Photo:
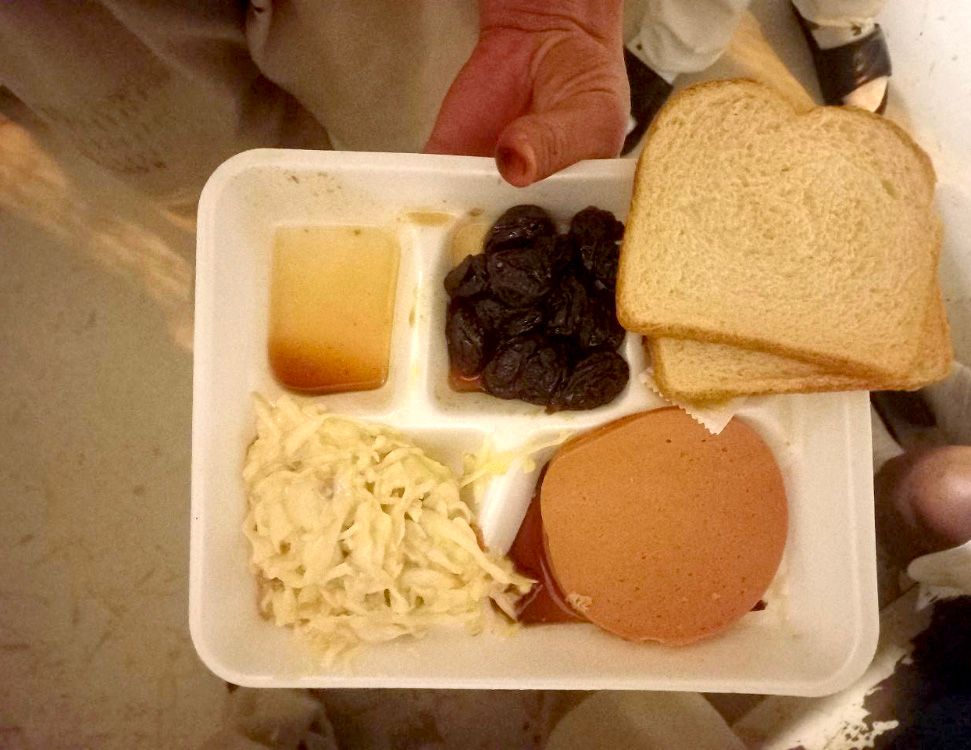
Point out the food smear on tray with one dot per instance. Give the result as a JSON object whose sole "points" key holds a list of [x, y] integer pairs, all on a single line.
{"points": [[653, 529], [467, 239], [545, 602], [532, 316], [427, 218], [359, 537], [332, 307]]}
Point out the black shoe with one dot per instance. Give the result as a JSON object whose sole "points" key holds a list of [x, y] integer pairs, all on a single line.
{"points": [[648, 92], [842, 70], [908, 418]]}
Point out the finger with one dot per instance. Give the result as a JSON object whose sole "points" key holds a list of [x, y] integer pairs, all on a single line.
{"points": [[480, 103], [585, 126]]}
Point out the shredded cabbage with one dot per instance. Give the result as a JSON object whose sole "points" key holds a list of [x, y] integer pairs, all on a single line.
{"points": [[481, 467], [358, 537]]}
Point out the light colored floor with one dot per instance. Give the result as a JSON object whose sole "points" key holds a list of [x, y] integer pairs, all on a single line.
{"points": [[95, 403], [95, 400]]}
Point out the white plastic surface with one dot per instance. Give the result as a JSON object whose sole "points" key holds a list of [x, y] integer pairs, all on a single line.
{"points": [[819, 630]]}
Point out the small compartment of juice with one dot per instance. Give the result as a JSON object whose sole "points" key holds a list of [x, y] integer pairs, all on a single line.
{"points": [[332, 307]]}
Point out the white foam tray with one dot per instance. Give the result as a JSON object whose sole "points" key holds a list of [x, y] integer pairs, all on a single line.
{"points": [[820, 628]]}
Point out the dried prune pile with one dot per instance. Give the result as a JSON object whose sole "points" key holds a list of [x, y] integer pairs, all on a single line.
{"points": [[532, 317]]}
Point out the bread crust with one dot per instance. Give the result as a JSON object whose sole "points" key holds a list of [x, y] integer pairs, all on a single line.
{"points": [[836, 371]]}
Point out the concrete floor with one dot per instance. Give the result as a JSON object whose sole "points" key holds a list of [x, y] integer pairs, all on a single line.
{"points": [[95, 397]]}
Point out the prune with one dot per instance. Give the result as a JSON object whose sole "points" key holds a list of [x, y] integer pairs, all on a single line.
{"points": [[599, 328], [597, 379], [519, 227], [600, 260], [501, 375], [594, 223], [492, 314], [536, 302], [595, 234], [520, 276], [466, 340], [563, 252], [468, 278], [568, 308], [542, 375], [502, 322], [527, 368], [522, 321]]}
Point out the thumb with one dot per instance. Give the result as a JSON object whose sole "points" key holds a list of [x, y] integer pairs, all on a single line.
{"points": [[479, 104], [585, 126]]}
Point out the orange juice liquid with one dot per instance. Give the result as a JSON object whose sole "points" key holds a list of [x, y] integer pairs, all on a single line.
{"points": [[332, 307]]}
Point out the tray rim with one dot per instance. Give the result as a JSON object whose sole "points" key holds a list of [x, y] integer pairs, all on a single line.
{"points": [[859, 654]]}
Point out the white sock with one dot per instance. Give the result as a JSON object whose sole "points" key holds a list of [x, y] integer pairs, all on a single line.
{"points": [[664, 75], [869, 95], [828, 37]]}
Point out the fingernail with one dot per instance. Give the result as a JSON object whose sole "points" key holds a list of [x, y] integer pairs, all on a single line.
{"points": [[517, 165]]}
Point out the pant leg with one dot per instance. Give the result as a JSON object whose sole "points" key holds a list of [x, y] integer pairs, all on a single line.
{"points": [[839, 13], [373, 73], [686, 36], [158, 94]]}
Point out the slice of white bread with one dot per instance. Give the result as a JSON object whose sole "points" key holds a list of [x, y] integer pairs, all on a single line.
{"points": [[810, 235], [699, 372]]}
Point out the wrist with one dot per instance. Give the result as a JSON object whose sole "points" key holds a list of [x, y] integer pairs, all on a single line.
{"points": [[602, 19]]}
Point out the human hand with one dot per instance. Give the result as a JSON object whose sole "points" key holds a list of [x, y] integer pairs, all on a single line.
{"points": [[544, 88], [930, 490]]}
